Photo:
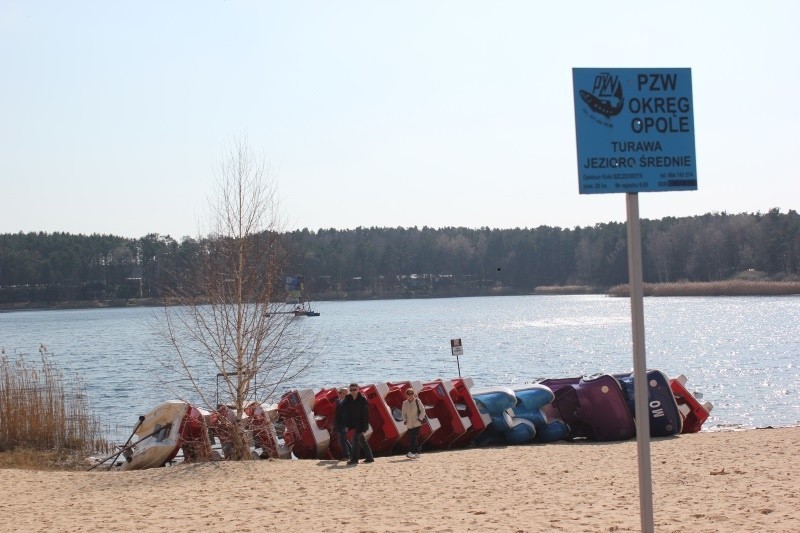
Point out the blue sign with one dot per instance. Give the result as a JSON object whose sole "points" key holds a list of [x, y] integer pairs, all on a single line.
{"points": [[635, 130], [294, 283]]}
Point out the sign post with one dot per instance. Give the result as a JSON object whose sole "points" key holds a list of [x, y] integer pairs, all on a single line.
{"points": [[457, 349], [635, 133]]}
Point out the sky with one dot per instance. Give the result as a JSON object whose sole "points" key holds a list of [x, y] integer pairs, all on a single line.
{"points": [[114, 116]]}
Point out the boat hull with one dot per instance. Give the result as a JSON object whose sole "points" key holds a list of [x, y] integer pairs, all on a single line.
{"points": [[467, 408], [386, 429], [504, 428], [394, 398], [693, 412], [265, 437], [664, 417], [592, 407], [531, 403], [159, 438], [435, 395], [301, 432]]}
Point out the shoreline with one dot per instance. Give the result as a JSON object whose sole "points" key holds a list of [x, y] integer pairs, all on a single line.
{"points": [[708, 481], [688, 289]]}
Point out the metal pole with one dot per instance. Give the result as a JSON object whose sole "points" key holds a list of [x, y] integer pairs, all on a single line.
{"points": [[459, 367], [640, 386]]}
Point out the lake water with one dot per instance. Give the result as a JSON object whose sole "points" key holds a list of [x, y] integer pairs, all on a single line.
{"points": [[741, 354]]}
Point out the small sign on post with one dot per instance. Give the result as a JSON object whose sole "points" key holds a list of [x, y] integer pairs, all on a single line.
{"points": [[457, 349]]}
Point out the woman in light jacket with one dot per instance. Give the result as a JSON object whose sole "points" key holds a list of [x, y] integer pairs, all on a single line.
{"points": [[413, 417]]}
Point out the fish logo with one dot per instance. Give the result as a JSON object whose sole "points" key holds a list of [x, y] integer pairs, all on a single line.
{"points": [[606, 97]]}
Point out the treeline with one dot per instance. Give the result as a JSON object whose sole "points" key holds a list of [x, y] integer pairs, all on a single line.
{"points": [[390, 262]]}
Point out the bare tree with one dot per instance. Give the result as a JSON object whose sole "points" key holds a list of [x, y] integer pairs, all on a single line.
{"points": [[224, 316], [660, 245]]}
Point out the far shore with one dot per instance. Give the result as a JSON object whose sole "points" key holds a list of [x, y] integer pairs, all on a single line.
{"points": [[735, 287]]}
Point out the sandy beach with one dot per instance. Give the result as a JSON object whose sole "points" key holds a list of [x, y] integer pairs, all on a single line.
{"points": [[719, 481]]}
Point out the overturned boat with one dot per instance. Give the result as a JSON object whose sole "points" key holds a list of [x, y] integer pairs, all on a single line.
{"points": [[173, 425], [394, 398], [665, 418], [262, 421], [467, 408], [504, 428], [531, 402], [692, 411], [439, 405], [301, 424], [386, 429], [592, 407], [302, 434]]}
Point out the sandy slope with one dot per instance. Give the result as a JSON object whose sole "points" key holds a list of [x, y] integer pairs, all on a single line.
{"points": [[728, 481]]}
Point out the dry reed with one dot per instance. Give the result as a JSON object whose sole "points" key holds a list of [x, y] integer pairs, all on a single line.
{"points": [[565, 289], [733, 287], [38, 412]]}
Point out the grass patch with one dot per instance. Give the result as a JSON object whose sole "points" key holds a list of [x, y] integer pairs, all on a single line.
{"points": [[27, 459]]}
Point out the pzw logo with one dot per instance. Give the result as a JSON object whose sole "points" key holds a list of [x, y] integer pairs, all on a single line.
{"points": [[606, 97]]}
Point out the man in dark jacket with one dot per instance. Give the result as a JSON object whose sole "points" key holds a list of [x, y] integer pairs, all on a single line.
{"points": [[357, 418], [340, 423]]}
